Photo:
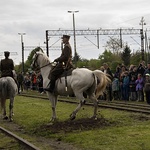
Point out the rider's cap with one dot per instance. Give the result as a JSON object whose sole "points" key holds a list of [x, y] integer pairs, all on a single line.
{"points": [[66, 36], [6, 52]]}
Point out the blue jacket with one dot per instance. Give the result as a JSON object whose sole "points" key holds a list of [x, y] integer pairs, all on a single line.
{"points": [[126, 81]]}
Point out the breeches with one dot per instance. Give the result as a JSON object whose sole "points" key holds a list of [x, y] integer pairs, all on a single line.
{"points": [[55, 73]]}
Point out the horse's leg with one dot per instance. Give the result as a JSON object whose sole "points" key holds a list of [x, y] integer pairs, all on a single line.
{"points": [[53, 100], [4, 109], [81, 103], [11, 109], [95, 101]]}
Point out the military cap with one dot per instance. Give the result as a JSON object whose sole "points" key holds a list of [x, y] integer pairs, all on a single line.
{"points": [[66, 36], [6, 52]]}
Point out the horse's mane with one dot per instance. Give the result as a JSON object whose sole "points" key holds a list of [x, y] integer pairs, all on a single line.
{"points": [[45, 59]]}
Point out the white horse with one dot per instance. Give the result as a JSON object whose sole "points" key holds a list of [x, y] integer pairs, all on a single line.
{"points": [[8, 90], [81, 80]]}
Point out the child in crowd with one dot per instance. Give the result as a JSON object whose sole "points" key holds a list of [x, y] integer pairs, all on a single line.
{"points": [[115, 88], [147, 87], [139, 87], [132, 84], [125, 86]]}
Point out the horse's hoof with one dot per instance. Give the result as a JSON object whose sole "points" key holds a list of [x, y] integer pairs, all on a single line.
{"points": [[50, 123], [5, 118], [53, 120], [94, 117], [10, 120], [72, 117]]}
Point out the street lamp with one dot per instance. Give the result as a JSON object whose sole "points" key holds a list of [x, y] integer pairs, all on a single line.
{"points": [[22, 45], [75, 52]]}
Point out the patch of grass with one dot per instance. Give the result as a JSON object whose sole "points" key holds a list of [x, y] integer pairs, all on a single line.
{"points": [[8, 143], [113, 130]]}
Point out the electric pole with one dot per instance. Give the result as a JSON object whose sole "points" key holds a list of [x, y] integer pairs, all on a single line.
{"points": [[142, 23], [74, 33], [22, 46]]}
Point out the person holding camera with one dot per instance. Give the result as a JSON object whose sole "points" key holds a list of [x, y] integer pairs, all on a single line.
{"points": [[141, 68]]}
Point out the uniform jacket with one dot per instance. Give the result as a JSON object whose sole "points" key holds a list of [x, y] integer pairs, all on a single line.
{"points": [[65, 56], [6, 66], [64, 62], [20, 77]]}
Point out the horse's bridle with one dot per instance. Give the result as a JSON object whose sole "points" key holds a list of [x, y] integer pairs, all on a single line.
{"points": [[35, 66]]}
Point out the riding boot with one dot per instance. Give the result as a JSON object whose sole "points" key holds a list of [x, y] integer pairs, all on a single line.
{"points": [[50, 87]]}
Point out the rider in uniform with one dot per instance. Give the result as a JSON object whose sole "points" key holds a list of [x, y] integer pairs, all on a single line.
{"points": [[63, 63], [7, 65]]}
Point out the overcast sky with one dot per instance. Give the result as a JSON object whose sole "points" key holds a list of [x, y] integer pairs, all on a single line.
{"points": [[34, 17]]}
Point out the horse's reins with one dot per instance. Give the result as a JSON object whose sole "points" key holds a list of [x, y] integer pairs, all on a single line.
{"points": [[38, 68], [45, 65]]}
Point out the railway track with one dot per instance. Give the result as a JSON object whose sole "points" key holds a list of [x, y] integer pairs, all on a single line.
{"points": [[17, 141], [139, 107]]}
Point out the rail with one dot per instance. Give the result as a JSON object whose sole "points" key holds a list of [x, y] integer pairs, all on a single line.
{"points": [[19, 139], [119, 105]]}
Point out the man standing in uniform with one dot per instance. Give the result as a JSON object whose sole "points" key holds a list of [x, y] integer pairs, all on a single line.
{"points": [[7, 66], [63, 62], [107, 70]]}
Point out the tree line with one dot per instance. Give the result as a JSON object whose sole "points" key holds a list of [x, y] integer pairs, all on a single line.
{"points": [[113, 55]]}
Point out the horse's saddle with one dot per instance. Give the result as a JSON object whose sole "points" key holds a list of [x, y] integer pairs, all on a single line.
{"points": [[67, 73]]}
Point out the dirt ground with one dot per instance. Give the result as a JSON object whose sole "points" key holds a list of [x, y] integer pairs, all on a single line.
{"points": [[80, 124], [67, 126], [45, 144]]}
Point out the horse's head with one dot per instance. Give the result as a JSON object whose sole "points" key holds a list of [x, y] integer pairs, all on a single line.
{"points": [[39, 60], [35, 64]]}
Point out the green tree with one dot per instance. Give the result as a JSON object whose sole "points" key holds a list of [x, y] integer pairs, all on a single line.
{"points": [[106, 56], [28, 62], [126, 54], [135, 58], [83, 63], [78, 58], [112, 59], [114, 45]]}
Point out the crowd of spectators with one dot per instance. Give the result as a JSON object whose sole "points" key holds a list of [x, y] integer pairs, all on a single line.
{"points": [[30, 81], [128, 84]]}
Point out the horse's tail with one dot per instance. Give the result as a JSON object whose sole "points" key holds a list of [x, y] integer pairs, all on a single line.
{"points": [[4, 92], [103, 81]]}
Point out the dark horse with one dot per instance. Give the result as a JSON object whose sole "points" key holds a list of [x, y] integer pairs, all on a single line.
{"points": [[8, 90]]}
